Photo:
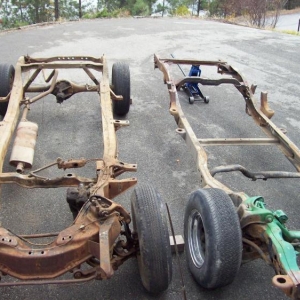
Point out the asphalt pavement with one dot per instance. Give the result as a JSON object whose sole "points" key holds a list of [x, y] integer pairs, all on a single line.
{"points": [[288, 22], [73, 130]]}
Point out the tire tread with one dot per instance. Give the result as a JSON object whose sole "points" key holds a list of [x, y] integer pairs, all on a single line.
{"points": [[121, 86], [6, 72], [225, 238], [149, 217]]}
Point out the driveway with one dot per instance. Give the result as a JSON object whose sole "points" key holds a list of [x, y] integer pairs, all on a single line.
{"points": [[288, 22]]}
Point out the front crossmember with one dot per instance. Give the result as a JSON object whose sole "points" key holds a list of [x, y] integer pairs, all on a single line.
{"points": [[99, 236]]}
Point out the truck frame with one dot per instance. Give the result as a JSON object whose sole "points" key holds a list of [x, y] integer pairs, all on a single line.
{"points": [[224, 227], [101, 238]]}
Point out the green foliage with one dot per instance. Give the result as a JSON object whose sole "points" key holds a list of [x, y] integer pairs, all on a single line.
{"points": [[140, 8], [38, 11], [118, 13], [215, 8], [20, 24], [182, 10], [88, 16], [205, 5], [68, 9], [173, 4], [293, 32], [103, 13], [159, 8], [121, 13], [180, 7], [15, 13]]}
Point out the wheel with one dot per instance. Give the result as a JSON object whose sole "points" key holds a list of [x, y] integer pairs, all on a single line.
{"points": [[121, 86], [7, 74], [213, 238], [150, 225], [191, 100], [206, 99]]}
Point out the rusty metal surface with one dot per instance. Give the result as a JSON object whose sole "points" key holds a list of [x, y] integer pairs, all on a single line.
{"points": [[257, 243], [275, 134], [185, 130], [95, 235], [289, 284]]}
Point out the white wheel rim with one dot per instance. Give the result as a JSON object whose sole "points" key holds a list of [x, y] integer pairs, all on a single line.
{"points": [[196, 238]]}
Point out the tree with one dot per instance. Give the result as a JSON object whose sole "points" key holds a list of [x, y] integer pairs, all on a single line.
{"points": [[291, 4], [14, 13], [56, 9], [21, 8], [174, 4], [140, 8], [264, 12], [225, 8], [260, 12], [38, 10], [70, 9], [150, 4], [161, 8], [276, 7]]}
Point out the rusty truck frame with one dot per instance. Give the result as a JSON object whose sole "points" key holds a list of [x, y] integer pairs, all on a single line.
{"points": [[100, 238], [224, 227]]}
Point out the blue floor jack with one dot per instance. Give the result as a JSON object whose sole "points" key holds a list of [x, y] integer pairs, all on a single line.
{"points": [[192, 88]]}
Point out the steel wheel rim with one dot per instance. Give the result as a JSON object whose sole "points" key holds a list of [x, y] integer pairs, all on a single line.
{"points": [[196, 238]]}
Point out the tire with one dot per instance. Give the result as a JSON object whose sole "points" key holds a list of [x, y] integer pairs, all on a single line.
{"points": [[206, 99], [121, 86], [191, 100], [7, 74], [213, 238], [150, 224]]}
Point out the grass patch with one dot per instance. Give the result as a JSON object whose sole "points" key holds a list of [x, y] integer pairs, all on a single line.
{"points": [[293, 32]]}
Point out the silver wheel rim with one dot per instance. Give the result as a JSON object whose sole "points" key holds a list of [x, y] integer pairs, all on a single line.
{"points": [[196, 238]]}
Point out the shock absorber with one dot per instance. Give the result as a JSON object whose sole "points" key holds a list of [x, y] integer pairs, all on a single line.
{"points": [[24, 144]]}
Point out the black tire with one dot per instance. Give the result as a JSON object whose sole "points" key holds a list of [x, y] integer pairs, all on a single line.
{"points": [[7, 74], [121, 86], [213, 240], [150, 224]]}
